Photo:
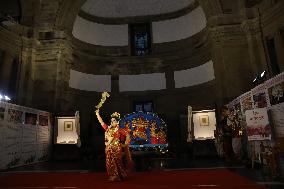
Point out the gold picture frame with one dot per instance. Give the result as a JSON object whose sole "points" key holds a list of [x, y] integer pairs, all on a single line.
{"points": [[204, 120], [68, 125]]}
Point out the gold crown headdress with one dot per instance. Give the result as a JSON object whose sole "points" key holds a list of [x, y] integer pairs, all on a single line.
{"points": [[115, 114]]}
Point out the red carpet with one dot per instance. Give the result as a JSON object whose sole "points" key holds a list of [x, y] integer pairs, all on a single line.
{"points": [[198, 179]]}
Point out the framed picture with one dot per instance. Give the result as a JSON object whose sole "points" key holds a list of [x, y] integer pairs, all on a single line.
{"points": [[204, 120], [30, 118], [68, 126], [276, 93], [43, 120]]}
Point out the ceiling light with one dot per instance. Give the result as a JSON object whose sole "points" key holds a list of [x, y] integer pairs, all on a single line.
{"points": [[262, 74]]}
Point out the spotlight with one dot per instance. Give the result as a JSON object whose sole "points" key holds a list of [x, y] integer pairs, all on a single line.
{"points": [[7, 98], [256, 81], [1, 97], [263, 74], [262, 77]]}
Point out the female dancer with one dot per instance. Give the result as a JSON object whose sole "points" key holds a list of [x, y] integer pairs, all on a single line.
{"points": [[115, 169]]}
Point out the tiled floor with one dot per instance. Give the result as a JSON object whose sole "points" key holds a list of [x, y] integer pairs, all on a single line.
{"points": [[257, 174]]}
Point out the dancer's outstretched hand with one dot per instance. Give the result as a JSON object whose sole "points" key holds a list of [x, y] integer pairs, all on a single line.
{"points": [[97, 111]]}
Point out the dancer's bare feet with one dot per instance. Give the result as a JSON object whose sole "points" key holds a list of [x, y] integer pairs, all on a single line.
{"points": [[114, 179]]}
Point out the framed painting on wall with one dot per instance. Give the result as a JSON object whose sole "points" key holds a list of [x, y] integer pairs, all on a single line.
{"points": [[204, 120], [68, 126], [30, 118]]}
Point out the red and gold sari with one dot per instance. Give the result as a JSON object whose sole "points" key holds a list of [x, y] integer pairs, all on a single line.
{"points": [[114, 165]]}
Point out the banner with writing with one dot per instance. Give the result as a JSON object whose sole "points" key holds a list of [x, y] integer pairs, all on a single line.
{"points": [[29, 144], [2, 134], [43, 138], [258, 127], [24, 139], [12, 145]]}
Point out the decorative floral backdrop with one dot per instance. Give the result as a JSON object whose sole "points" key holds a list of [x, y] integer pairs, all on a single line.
{"points": [[146, 129]]}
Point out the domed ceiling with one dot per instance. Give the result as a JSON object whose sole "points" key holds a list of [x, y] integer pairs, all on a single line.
{"points": [[166, 28], [130, 8]]}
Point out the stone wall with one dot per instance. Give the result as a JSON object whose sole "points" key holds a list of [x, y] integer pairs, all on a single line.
{"points": [[234, 39]]}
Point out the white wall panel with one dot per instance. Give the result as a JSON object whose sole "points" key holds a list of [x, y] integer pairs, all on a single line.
{"points": [[179, 28], [100, 34], [142, 82], [194, 76], [89, 82]]}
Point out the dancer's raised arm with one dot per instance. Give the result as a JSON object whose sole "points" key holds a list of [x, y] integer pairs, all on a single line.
{"points": [[100, 119]]}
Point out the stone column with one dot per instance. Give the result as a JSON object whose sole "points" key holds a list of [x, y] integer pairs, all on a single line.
{"points": [[255, 46], [170, 80], [232, 65], [279, 47], [63, 100], [26, 75], [5, 72], [115, 84]]}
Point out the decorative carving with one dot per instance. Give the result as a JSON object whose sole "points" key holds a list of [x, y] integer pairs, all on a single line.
{"points": [[250, 26], [227, 33]]}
